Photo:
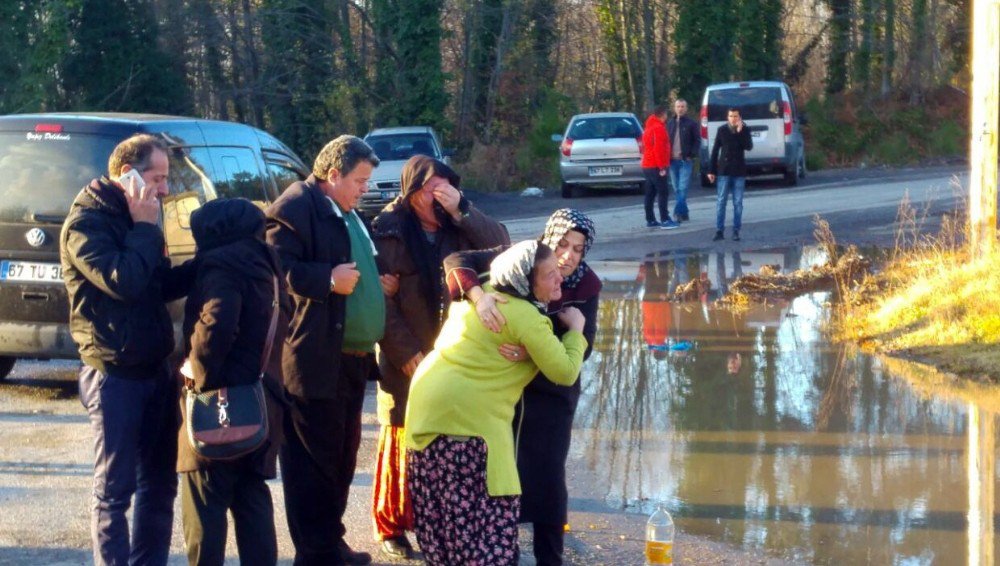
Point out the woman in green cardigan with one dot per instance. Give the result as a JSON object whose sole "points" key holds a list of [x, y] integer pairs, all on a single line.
{"points": [[461, 406]]}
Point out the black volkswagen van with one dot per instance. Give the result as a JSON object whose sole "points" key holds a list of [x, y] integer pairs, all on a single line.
{"points": [[45, 159]]}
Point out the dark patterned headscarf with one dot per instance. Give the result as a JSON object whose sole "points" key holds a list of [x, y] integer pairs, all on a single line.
{"points": [[562, 221]]}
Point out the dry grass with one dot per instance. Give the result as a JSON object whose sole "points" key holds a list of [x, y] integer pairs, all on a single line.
{"points": [[931, 301], [844, 269]]}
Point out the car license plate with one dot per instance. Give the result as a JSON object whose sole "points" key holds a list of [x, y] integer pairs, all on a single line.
{"points": [[756, 133], [606, 171], [30, 271], [388, 195]]}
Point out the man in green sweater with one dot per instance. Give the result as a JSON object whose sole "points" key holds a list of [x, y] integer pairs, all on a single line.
{"points": [[329, 263]]}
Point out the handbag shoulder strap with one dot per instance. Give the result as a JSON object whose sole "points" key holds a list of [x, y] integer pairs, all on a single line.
{"points": [[269, 341]]}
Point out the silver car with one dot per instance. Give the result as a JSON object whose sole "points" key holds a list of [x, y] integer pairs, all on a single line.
{"points": [[602, 149], [394, 147]]}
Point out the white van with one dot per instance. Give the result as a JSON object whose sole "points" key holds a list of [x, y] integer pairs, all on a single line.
{"points": [[768, 109]]}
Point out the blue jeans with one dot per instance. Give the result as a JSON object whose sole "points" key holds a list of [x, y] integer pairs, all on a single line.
{"points": [[134, 422], [726, 186], [680, 178]]}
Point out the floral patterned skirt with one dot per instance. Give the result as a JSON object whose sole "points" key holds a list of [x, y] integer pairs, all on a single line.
{"points": [[457, 521]]}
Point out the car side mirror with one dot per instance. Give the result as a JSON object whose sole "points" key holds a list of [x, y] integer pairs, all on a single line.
{"points": [[803, 119], [557, 138]]}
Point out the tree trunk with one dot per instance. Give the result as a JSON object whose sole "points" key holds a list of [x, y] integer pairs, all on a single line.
{"points": [[647, 53], [492, 92], [888, 47], [623, 34]]}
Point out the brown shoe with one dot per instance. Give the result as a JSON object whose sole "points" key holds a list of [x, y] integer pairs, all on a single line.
{"points": [[398, 547]]}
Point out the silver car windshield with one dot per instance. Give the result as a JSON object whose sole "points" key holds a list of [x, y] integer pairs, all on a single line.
{"points": [[604, 128]]}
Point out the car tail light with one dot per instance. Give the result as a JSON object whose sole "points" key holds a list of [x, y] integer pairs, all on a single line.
{"points": [[567, 146], [786, 108], [48, 128], [704, 122], [638, 140]]}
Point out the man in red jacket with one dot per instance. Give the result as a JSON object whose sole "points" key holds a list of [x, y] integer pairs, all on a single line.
{"points": [[655, 162]]}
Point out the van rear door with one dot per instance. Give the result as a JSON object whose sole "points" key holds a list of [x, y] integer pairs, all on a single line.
{"points": [[761, 108], [41, 171]]}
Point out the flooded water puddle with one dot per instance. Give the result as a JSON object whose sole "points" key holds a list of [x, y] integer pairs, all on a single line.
{"points": [[760, 432]]}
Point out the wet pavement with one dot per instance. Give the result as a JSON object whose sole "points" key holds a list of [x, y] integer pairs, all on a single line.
{"points": [[760, 433]]}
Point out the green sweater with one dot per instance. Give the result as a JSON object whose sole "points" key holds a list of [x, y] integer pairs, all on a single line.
{"points": [[466, 388]]}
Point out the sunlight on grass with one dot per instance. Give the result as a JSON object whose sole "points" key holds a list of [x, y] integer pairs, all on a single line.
{"points": [[931, 301]]}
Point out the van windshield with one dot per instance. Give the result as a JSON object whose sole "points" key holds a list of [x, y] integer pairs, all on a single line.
{"points": [[604, 128], [754, 103], [399, 147], [40, 175]]}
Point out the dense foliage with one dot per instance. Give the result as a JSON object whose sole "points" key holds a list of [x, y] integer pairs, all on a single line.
{"points": [[496, 76]]}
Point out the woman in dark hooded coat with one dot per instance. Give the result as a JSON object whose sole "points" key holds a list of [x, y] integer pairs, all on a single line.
{"points": [[544, 422], [226, 322], [428, 221]]}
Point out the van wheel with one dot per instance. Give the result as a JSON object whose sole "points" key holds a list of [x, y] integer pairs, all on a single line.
{"points": [[6, 365], [802, 166]]}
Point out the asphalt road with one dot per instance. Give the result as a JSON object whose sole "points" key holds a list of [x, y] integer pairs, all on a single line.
{"points": [[45, 444], [861, 206]]}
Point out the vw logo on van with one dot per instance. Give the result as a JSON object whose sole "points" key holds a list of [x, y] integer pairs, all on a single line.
{"points": [[35, 237]]}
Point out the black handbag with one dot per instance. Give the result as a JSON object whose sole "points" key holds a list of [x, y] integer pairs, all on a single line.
{"points": [[230, 422]]}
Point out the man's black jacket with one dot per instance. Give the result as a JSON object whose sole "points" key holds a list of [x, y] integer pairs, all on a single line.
{"points": [[118, 281], [311, 239], [728, 151], [690, 136]]}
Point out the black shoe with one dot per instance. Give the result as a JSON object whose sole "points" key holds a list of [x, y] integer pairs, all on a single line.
{"points": [[398, 547], [718, 236], [348, 556], [736, 235]]}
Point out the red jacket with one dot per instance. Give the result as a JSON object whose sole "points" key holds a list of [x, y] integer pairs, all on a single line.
{"points": [[655, 144]]}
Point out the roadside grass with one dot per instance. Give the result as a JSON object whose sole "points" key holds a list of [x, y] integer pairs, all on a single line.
{"points": [[931, 301]]}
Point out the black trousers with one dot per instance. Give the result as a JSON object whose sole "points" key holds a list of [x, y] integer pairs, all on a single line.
{"points": [[134, 422], [658, 189], [206, 497], [317, 464], [548, 544]]}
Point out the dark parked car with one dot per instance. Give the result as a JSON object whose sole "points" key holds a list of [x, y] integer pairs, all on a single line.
{"points": [[45, 159]]}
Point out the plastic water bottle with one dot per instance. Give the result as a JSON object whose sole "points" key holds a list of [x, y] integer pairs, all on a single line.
{"points": [[660, 537]]}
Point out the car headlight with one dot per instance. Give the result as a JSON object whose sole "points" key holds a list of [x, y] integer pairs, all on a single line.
{"points": [[372, 186]]}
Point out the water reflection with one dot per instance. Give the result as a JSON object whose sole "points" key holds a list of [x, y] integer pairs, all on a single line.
{"points": [[758, 431]]}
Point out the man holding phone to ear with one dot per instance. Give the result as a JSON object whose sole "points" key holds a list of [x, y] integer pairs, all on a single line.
{"points": [[732, 141], [118, 281], [339, 315]]}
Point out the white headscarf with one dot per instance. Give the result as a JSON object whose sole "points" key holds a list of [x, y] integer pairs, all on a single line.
{"points": [[510, 271]]}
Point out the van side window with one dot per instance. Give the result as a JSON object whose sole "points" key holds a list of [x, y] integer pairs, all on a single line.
{"points": [[282, 175], [238, 174], [191, 185]]}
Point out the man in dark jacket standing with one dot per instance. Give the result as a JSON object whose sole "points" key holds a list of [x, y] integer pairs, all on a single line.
{"points": [[685, 140], [118, 281], [339, 315], [730, 166], [413, 234], [655, 162]]}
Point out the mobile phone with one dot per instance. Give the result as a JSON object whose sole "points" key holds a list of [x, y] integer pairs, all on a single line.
{"points": [[132, 174]]}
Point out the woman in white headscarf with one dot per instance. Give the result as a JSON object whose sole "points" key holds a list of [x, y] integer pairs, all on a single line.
{"points": [[461, 405]]}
